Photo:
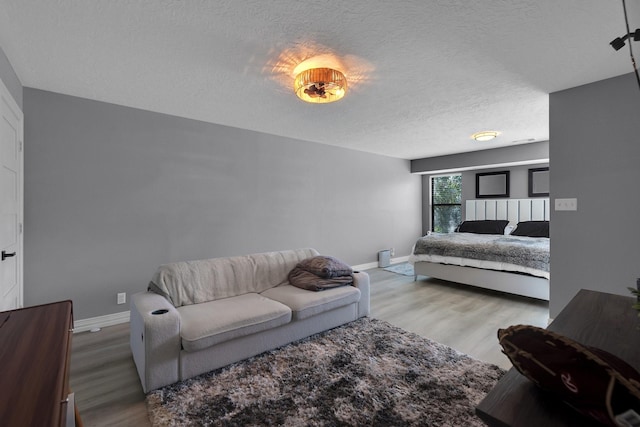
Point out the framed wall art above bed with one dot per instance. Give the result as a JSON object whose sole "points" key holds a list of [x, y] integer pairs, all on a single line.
{"points": [[539, 182], [492, 184]]}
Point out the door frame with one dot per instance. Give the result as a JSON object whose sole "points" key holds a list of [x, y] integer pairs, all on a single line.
{"points": [[10, 100]]}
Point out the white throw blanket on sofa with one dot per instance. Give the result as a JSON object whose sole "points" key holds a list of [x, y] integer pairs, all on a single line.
{"points": [[195, 282]]}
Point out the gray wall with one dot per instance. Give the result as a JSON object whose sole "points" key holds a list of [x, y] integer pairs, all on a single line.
{"points": [[10, 79], [113, 192], [595, 157]]}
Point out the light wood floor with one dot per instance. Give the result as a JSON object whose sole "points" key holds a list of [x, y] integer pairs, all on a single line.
{"points": [[108, 392]]}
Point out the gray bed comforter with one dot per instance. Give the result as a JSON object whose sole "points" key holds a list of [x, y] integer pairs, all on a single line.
{"points": [[531, 252]]}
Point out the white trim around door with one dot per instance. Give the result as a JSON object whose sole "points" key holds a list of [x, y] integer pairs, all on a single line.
{"points": [[11, 201]]}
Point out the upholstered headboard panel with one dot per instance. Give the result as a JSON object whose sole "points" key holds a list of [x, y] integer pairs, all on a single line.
{"points": [[514, 210]]}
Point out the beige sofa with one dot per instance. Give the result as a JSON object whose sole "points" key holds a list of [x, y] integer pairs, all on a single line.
{"points": [[209, 313]]}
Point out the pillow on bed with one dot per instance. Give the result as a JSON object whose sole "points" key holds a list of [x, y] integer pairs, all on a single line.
{"points": [[487, 226], [532, 229]]}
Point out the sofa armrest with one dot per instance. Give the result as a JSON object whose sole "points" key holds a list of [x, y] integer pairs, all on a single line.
{"points": [[155, 340], [361, 281]]}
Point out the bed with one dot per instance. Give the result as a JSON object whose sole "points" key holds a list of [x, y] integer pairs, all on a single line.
{"points": [[477, 262]]}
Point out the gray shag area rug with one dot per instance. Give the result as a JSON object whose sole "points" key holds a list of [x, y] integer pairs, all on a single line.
{"points": [[367, 372]]}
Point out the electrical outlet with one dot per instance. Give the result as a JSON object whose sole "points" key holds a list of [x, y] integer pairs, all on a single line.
{"points": [[566, 204], [122, 298], [393, 252]]}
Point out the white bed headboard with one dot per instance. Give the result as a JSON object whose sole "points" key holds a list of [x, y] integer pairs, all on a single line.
{"points": [[514, 210]]}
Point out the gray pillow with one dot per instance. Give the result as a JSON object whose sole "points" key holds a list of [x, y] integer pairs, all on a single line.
{"points": [[486, 226], [532, 229]]}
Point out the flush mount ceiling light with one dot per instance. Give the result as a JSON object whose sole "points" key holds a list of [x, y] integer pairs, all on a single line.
{"points": [[485, 135], [320, 85]]}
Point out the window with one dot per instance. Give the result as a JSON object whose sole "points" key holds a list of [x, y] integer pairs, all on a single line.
{"points": [[446, 203]]}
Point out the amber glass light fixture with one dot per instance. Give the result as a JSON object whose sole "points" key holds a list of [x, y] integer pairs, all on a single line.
{"points": [[320, 85], [485, 135]]}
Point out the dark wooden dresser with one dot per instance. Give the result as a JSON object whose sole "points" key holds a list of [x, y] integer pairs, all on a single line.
{"points": [[592, 318], [35, 350]]}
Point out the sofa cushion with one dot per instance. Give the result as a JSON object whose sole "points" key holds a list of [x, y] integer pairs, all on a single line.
{"points": [[206, 324], [195, 282], [306, 303]]}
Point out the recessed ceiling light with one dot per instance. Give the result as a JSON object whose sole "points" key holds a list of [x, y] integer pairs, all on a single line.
{"points": [[485, 135]]}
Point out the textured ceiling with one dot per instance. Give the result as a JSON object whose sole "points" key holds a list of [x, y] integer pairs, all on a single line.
{"points": [[423, 75]]}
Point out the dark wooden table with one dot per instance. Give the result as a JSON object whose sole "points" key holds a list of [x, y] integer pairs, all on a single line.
{"points": [[35, 349], [592, 318]]}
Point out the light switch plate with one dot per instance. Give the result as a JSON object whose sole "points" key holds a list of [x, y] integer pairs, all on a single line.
{"points": [[566, 204]]}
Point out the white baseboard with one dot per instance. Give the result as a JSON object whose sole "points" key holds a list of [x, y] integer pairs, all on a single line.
{"points": [[400, 259], [371, 265], [367, 266], [101, 321]]}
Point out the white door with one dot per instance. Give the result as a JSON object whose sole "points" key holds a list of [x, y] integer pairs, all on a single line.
{"points": [[11, 201]]}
